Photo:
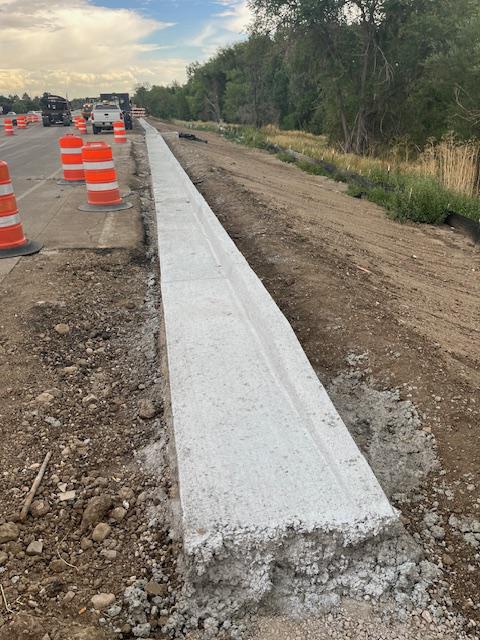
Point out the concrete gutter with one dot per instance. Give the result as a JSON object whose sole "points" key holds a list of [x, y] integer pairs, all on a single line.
{"points": [[279, 507]]}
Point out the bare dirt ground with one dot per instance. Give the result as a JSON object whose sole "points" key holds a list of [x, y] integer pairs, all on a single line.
{"points": [[389, 308], [79, 365]]}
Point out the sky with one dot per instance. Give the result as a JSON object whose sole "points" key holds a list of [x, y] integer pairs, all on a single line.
{"points": [[85, 47]]}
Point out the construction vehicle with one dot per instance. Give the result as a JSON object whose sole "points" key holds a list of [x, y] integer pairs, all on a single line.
{"points": [[123, 101], [55, 110]]}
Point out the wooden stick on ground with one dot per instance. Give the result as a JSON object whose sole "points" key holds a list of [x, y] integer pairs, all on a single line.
{"points": [[7, 607], [33, 490]]}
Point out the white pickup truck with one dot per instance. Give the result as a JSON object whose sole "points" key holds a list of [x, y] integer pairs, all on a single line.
{"points": [[104, 115]]}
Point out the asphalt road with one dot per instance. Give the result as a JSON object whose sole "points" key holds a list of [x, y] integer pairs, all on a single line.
{"points": [[49, 211]]}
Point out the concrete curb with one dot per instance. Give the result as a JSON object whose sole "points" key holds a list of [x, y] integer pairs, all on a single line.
{"points": [[277, 500]]}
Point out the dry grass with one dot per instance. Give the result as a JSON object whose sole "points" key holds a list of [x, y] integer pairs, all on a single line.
{"points": [[455, 165], [317, 147]]}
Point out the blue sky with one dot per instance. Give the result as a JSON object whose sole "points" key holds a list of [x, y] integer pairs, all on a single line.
{"points": [[86, 46], [199, 27]]}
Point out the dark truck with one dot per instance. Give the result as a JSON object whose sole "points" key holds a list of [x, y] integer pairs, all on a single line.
{"points": [[55, 110], [123, 101]]}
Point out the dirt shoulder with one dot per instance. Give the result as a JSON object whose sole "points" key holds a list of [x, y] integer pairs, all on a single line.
{"points": [[395, 305], [79, 364]]}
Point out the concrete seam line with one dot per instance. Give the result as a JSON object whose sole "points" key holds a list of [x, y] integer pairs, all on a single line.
{"points": [[265, 462], [39, 184]]}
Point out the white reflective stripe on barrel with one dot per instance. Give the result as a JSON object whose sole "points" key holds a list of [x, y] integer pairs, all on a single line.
{"points": [[72, 167], [9, 221], [6, 189], [71, 151], [92, 166], [102, 186]]}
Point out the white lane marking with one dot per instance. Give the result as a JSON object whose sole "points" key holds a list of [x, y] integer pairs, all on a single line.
{"points": [[39, 184]]}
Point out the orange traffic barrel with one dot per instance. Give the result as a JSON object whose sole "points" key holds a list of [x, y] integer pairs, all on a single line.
{"points": [[21, 122], [71, 156], [119, 133], [12, 239], [103, 193], [8, 126], [82, 125]]}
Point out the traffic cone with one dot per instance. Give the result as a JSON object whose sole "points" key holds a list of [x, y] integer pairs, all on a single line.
{"points": [[103, 193], [119, 133], [71, 156], [21, 122], [8, 126], [12, 239], [82, 126]]}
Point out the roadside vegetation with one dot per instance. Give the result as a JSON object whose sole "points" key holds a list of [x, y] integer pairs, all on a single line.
{"points": [[441, 180], [386, 89]]}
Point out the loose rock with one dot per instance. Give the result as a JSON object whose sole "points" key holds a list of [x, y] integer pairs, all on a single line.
{"points": [[9, 532], [62, 328], [35, 548], [156, 589], [96, 508], [146, 409], [39, 508], [101, 531], [118, 514], [102, 601]]}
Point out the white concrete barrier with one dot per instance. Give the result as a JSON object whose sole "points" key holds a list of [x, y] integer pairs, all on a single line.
{"points": [[276, 498]]}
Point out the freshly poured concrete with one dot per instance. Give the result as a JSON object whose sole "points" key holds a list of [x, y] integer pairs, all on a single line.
{"points": [[276, 498]]}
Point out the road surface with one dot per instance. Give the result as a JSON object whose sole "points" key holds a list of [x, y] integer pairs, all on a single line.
{"points": [[49, 210]]}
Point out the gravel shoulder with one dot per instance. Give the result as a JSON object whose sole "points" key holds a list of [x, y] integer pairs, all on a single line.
{"points": [[79, 364]]}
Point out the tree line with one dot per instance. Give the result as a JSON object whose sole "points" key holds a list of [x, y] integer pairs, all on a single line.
{"points": [[366, 73], [19, 104], [26, 103]]}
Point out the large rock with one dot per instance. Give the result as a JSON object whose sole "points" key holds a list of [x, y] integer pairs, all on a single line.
{"points": [[39, 508], [9, 532], [146, 409], [101, 532], [96, 508], [102, 601], [35, 548]]}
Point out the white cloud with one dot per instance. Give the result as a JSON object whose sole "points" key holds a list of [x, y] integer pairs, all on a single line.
{"points": [[79, 47], [227, 26], [238, 15]]}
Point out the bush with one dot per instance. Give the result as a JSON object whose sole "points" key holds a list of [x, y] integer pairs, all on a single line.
{"points": [[285, 157]]}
